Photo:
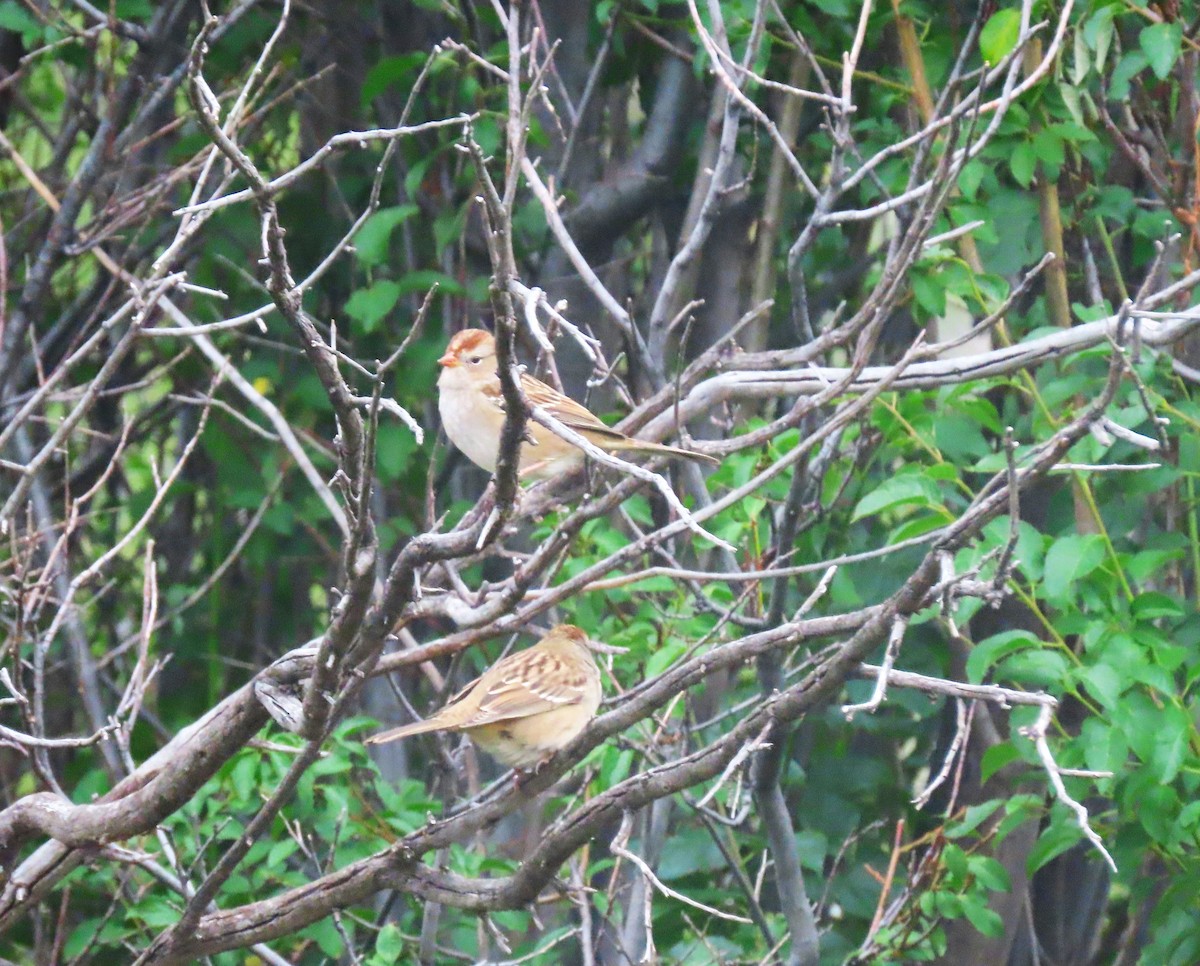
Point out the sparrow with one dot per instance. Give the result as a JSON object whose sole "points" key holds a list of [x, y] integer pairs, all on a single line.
{"points": [[472, 410], [526, 706]]}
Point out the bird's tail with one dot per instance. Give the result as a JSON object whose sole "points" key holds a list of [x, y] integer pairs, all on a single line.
{"points": [[643, 446], [416, 728]]}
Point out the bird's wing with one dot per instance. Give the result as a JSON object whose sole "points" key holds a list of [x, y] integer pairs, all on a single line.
{"points": [[491, 392], [565, 409], [524, 684]]}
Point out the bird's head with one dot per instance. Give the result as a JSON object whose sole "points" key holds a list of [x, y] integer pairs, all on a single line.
{"points": [[471, 351], [569, 632]]}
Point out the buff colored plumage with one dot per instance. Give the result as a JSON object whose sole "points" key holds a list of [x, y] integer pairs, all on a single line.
{"points": [[526, 706], [472, 410]]}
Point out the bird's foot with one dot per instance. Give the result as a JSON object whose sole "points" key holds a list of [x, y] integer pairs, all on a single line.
{"points": [[523, 775]]}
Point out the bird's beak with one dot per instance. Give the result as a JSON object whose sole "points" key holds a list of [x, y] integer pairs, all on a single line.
{"points": [[448, 360]]}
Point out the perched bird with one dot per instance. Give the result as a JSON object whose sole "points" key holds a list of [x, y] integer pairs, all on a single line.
{"points": [[472, 409], [526, 706]]}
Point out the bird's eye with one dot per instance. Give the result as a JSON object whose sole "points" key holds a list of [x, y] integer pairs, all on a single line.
{"points": [[475, 360]]}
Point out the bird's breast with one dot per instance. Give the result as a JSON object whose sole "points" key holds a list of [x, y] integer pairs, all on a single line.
{"points": [[470, 421]]}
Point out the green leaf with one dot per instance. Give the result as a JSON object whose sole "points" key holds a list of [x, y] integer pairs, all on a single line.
{"points": [[835, 8], [617, 768], [896, 491], [327, 937], [1098, 32], [1082, 62], [1155, 677], [1021, 807], [999, 35], [930, 292], [1103, 682], [448, 227], [1104, 747], [280, 519], [394, 450], [665, 656], [1055, 840], [368, 306], [948, 904], [1154, 224], [371, 242], [1077, 132], [244, 776], [1157, 809], [1128, 67], [1029, 551], [992, 649], [814, 849], [1048, 146], [1172, 742], [960, 437], [654, 585], [16, 18], [912, 528], [1140, 720], [1073, 102], [1071, 558], [85, 935], [134, 9], [389, 945], [986, 920], [990, 873], [388, 71], [1160, 43], [1022, 163], [416, 174], [973, 817], [423, 280], [332, 764], [1040, 668], [1152, 604], [280, 851], [1121, 652], [156, 913], [1091, 313], [1189, 816], [996, 758], [1147, 563], [971, 176], [955, 860]]}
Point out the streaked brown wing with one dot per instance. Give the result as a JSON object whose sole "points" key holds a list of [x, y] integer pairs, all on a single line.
{"points": [[462, 692], [527, 683], [491, 392], [565, 409]]}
